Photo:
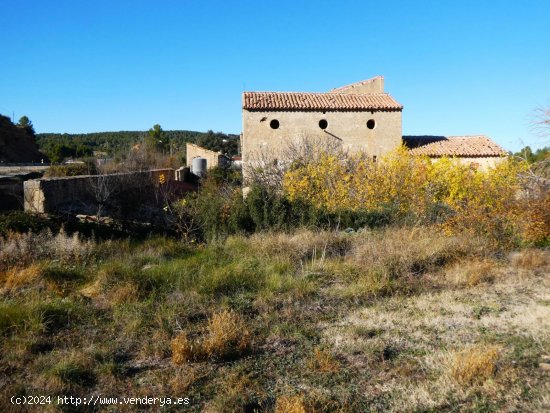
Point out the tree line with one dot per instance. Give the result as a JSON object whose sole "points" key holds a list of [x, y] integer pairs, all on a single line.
{"points": [[61, 146]]}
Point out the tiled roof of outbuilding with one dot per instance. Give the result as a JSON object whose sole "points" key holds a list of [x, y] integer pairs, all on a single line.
{"points": [[319, 101], [460, 146]]}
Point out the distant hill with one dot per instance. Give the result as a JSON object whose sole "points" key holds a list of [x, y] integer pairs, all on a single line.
{"points": [[17, 145], [115, 143]]}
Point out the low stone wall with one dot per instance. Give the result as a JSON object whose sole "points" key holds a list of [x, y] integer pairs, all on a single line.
{"points": [[11, 189], [84, 194]]}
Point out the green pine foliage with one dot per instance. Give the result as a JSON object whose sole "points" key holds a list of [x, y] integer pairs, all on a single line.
{"points": [[60, 146]]}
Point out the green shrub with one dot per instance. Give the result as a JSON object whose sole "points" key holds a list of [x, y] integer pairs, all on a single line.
{"points": [[74, 373], [74, 169], [230, 279], [19, 221], [56, 315], [61, 274], [13, 317]]}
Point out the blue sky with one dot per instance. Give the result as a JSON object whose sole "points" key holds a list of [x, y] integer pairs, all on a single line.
{"points": [[458, 67]]}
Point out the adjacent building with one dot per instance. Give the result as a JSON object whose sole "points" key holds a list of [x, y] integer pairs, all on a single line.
{"points": [[477, 151], [361, 117], [213, 159]]}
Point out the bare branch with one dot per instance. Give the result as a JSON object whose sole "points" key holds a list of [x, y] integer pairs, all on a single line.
{"points": [[541, 123], [268, 165]]}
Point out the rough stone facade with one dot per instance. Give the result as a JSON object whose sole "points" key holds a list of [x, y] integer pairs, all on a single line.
{"points": [[360, 117], [213, 159], [348, 128], [482, 163], [81, 193]]}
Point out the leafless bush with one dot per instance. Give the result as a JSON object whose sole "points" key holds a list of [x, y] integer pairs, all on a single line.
{"points": [[103, 188], [268, 165], [541, 122], [142, 158], [22, 249]]}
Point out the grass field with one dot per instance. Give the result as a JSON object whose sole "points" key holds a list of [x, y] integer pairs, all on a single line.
{"points": [[398, 320]]}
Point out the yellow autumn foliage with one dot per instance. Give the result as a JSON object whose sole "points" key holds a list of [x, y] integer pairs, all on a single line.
{"points": [[481, 201]]}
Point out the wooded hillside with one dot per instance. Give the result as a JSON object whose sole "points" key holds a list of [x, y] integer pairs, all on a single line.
{"points": [[17, 144], [113, 143]]}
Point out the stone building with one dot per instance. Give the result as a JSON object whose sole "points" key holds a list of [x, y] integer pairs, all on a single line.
{"points": [[360, 116], [213, 158], [477, 151]]}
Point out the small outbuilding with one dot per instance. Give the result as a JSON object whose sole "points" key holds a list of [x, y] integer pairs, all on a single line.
{"points": [[477, 151]]}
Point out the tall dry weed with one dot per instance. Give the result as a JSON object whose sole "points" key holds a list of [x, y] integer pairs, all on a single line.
{"points": [[226, 335], [403, 251], [473, 271], [16, 277], [474, 365], [22, 249], [291, 404], [301, 245], [531, 259]]}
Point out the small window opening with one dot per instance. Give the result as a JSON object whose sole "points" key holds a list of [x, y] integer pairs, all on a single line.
{"points": [[371, 124], [323, 123], [274, 124]]}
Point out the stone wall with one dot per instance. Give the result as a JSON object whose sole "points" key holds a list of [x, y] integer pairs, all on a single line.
{"points": [[122, 192], [374, 85], [213, 159], [477, 162]]}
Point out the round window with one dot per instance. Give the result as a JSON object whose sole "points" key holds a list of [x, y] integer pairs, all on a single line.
{"points": [[371, 124], [274, 124], [323, 123]]}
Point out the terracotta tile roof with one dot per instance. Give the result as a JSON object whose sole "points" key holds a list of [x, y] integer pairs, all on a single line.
{"points": [[460, 146], [318, 101]]}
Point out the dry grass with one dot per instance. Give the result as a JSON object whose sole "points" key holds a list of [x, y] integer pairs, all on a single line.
{"points": [[382, 347], [473, 272], [398, 260], [292, 404], [184, 378], [185, 350], [475, 365], [530, 259], [16, 277], [127, 292], [400, 251], [301, 246], [323, 361], [507, 317], [226, 335], [23, 249], [70, 372]]}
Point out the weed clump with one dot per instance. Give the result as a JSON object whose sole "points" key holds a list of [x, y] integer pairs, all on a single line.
{"points": [[530, 259], [13, 317], [225, 336], [291, 404], [473, 272], [323, 361], [475, 365], [17, 250]]}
